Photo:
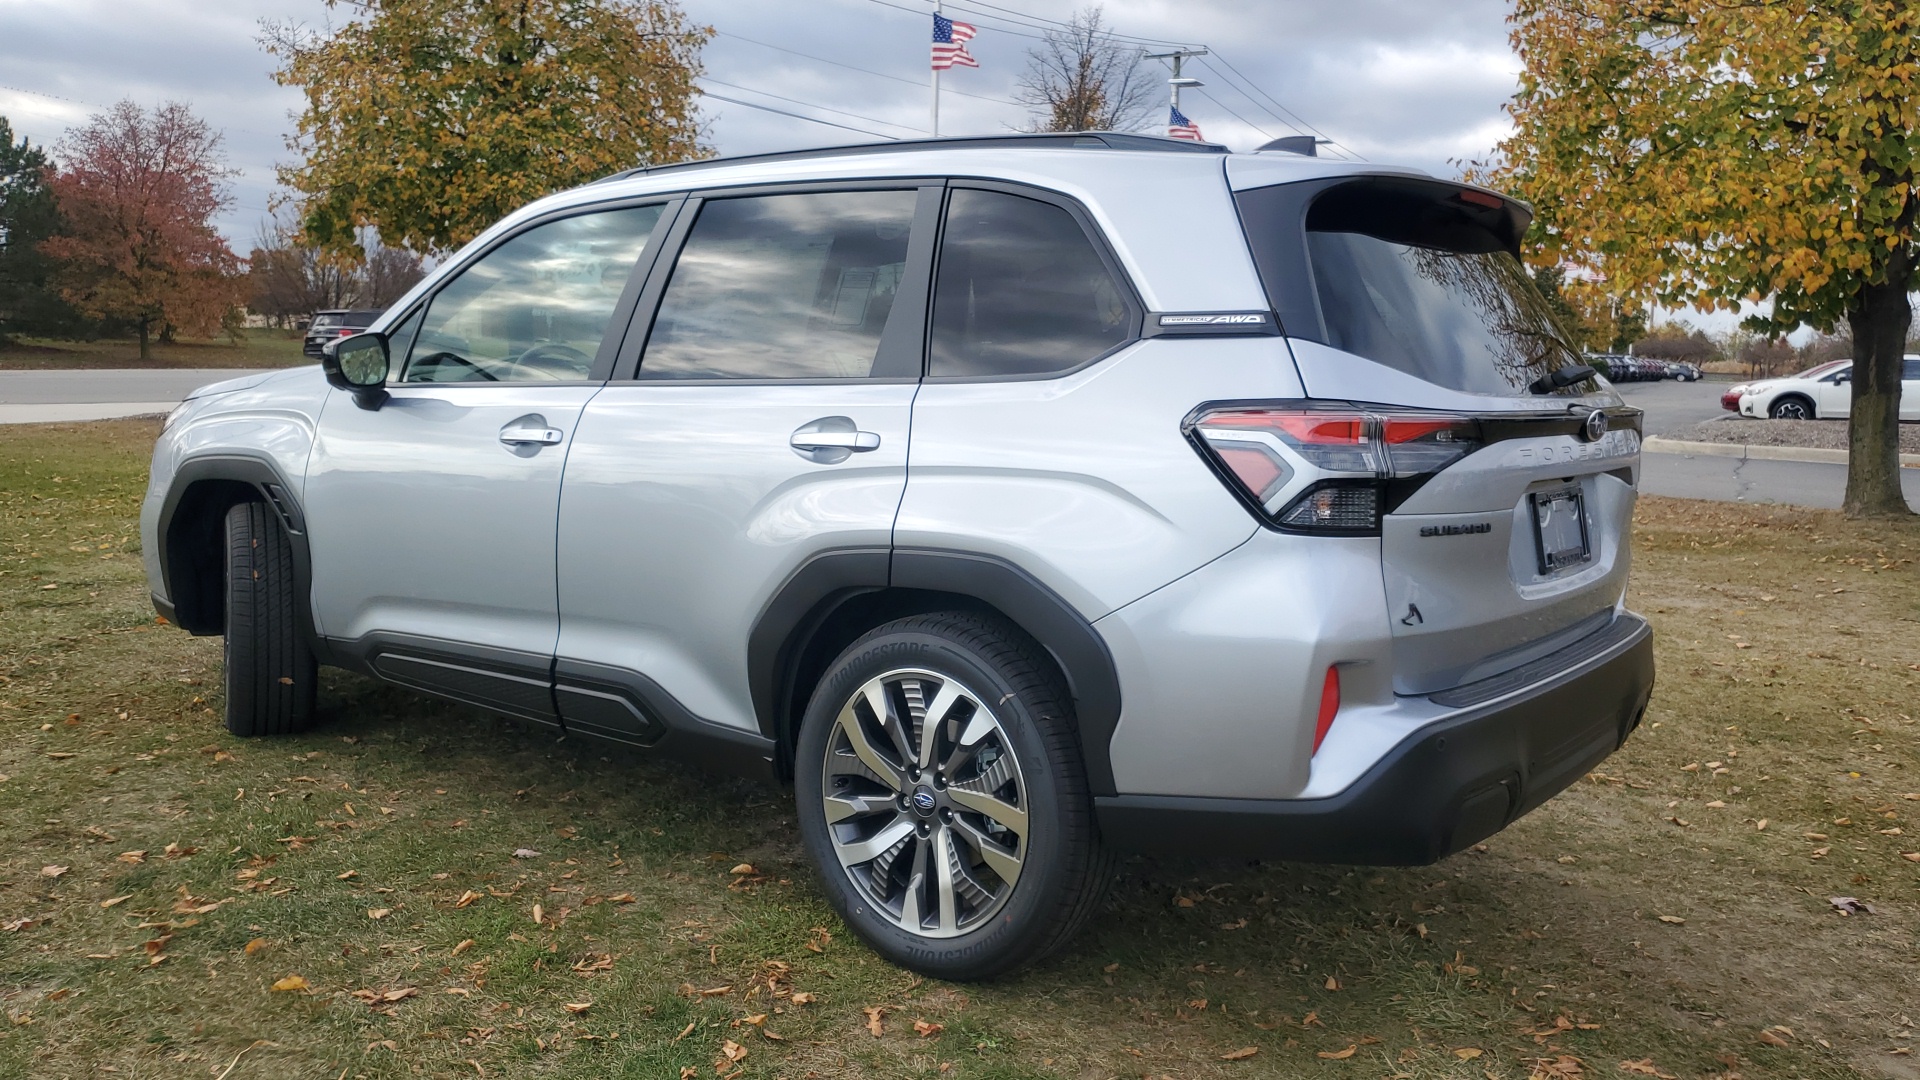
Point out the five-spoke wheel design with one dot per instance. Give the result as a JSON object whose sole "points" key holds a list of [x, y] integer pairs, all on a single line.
{"points": [[1791, 409], [925, 802]]}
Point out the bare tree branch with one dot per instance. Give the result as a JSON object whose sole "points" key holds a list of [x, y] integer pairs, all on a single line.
{"points": [[1082, 79]]}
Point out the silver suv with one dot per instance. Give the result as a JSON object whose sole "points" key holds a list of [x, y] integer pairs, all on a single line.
{"points": [[1020, 500]]}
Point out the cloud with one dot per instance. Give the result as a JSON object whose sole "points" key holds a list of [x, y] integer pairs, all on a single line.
{"points": [[1404, 81]]}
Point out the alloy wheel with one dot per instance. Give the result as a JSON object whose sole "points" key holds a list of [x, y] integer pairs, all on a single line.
{"points": [[1791, 410], [925, 802]]}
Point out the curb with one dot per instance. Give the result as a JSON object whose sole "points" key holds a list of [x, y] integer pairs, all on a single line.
{"points": [[22, 413], [1745, 451]]}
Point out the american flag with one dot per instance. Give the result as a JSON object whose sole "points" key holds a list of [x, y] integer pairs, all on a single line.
{"points": [[950, 44], [1179, 127]]}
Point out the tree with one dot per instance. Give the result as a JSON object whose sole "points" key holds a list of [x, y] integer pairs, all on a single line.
{"points": [[137, 193], [432, 119], [1677, 341], [1713, 151], [288, 279], [1083, 79], [29, 299]]}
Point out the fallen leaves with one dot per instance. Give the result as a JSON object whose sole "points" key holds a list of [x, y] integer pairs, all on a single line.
{"points": [[465, 944], [377, 998], [466, 898], [378, 913], [53, 871], [1646, 1067], [1777, 1035], [1242, 1054], [1339, 1055], [873, 1019], [1847, 905], [132, 858], [525, 853], [1468, 1053], [116, 900], [255, 946], [1673, 920], [577, 1007], [927, 1030], [290, 984]]}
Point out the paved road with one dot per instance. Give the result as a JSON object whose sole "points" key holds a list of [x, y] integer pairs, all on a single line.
{"points": [[1726, 479], [50, 396], [1673, 405]]}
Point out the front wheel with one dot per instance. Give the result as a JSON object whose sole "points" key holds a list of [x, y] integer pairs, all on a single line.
{"points": [[942, 796], [1791, 408], [271, 675]]}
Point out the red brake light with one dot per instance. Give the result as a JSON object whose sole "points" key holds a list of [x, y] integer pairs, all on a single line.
{"points": [[1329, 706]]}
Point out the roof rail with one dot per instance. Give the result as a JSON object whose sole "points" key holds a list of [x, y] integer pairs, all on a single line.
{"points": [[1092, 140]]}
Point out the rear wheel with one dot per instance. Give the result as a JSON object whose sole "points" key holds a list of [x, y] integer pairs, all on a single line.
{"points": [[271, 675], [942, 796], [1791, 408]]}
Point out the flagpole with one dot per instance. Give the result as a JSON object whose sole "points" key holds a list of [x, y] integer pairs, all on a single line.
{"points": [[936, 86]]}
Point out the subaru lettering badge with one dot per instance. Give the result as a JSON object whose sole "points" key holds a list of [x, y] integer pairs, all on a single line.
{"points": [[1596, 428], [923, 800]]}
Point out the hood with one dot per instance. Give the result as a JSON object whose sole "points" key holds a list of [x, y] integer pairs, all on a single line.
{"points": [[244, 382]]}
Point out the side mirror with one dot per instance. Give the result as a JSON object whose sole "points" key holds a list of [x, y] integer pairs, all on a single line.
{"points": [[359, 364], [1843, 377]]}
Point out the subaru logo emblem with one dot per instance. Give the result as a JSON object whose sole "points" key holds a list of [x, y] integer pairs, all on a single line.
{"points": [[1596, 426], [923, 800]]}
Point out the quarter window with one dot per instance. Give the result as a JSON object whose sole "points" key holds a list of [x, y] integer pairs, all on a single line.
{"points": [[534, 308], [1021, 290], [1910, 370], [783, 287]]}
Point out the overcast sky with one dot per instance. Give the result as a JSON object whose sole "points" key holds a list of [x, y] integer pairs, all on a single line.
{"points": [[1393, 80]]}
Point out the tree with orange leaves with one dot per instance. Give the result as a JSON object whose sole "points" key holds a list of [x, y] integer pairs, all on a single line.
{"points": [[137, 192], [1706, 152]]}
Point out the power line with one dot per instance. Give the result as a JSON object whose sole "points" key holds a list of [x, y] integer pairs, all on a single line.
{"points": [[1302, 121], [1230, 112], [795, 115], [1062, 24], [923, 11], [809, 104], [851, 67]]}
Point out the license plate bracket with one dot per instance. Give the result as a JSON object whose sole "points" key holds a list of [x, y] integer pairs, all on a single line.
{"points": [[1560, 529]]}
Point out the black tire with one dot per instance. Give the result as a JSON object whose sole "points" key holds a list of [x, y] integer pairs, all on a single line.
{"points": [[1064, 869], [271, 675], [1791, 407]]}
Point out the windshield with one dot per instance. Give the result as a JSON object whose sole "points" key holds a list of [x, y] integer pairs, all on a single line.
{"points": [[1420, 276]]}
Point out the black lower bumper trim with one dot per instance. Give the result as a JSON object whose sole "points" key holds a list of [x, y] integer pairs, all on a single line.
{"points": [[1446, 787]]}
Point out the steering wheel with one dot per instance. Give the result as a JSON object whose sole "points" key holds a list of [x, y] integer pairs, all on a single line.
{"points": [[447, 359], [554, 358]]}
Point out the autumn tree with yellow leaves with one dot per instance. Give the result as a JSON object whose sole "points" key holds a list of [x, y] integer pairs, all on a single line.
{"points": [[432, 119], [1706, 152]]}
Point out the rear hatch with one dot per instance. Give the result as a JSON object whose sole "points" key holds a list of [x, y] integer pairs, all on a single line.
{"points": [[1506, 492]]}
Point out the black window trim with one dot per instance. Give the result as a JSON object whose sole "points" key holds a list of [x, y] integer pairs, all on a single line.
{"points": [[603, 360], [1137, 309], [917, 278]]}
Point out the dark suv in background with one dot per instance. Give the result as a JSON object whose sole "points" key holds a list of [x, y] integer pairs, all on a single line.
{"points": [[332, 325]]}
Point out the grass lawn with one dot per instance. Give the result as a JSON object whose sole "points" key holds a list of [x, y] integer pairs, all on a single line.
{"points": [[440, 893], [260, 349]]}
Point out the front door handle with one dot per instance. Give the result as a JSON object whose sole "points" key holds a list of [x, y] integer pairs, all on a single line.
{"points": [[831, 440], [531, 431]]}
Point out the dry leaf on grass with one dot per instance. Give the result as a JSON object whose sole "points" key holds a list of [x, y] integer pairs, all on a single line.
{"points": [[873, 1019], [379, 912], [733, 1051], [1468, 1053], [52, 871], [255, 945], [1847, 905], [1246, 1052], [116, 900], [926, 1030], [1646, 1067], [539, 914], [465, 944], [1777, 1035], [1673, 919], [577, 1006], [743, 868], [289, 984], [466, 898], [525, 853], [1339, 1055], [801, 997]]}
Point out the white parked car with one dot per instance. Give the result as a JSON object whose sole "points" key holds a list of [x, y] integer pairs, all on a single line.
{"points": [[1820, 393]]}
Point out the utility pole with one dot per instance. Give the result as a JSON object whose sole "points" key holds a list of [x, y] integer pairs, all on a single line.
{"points": [[936, 84], [1178, 56]]}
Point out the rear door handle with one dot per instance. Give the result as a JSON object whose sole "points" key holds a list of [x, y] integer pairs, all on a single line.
{"points": [[831, 440]]}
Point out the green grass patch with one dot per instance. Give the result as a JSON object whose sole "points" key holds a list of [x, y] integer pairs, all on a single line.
{"points": [[259, 348], [383, 860]]}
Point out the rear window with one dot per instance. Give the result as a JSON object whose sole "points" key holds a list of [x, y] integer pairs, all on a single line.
{"points": [[1419, 276], [325, 322]]}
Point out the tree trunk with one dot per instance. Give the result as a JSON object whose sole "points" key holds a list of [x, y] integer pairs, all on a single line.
{"points": [[145, 330], [1880, 318]]}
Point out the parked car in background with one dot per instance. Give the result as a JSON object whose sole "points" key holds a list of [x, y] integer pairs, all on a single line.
{"points": [[334, 324], [1821, 393], [1197, 550], [1681, 371]]}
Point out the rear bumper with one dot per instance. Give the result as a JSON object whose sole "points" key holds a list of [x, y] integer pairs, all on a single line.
{"points": [[1445, 787]]}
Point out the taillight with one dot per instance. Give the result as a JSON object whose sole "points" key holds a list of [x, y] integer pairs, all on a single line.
{"points": [[348, 332], [1327, 468]]}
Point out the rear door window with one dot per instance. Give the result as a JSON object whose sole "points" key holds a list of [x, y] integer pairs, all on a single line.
{"points": [[1419, 276], [1022, 290]]}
